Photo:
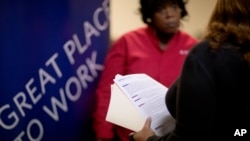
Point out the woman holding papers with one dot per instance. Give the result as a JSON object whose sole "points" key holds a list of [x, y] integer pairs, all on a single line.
{"points": [[158, 49], [211, 98]]}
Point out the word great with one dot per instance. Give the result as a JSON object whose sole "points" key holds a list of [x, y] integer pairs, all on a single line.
{"points": [[48, 76]]}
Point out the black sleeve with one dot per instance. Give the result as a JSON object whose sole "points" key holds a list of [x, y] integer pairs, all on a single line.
{"points": [[195, 103]]}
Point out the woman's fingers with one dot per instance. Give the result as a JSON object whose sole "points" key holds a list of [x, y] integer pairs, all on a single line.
{"points": [[148, 122]]}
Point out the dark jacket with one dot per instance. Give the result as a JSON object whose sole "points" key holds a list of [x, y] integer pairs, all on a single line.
{"points": [[210, 100]]}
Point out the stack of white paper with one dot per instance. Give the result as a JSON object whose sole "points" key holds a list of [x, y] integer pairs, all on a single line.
{"points": [[135, 97]]}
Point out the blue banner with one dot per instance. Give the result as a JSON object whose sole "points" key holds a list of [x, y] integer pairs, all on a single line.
{"points": [[51, 57]]}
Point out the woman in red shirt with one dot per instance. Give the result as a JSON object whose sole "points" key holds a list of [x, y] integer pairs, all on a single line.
{"points": [[157, 49]]}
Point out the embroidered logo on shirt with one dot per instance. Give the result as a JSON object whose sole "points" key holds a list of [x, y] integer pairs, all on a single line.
{"points": [[183, 52]]}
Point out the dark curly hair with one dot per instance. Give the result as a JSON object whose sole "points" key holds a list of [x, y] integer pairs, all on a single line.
{"points": [[149, 7]]}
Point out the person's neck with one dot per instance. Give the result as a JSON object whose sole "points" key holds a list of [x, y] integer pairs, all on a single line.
{"points": [[164, 39]]}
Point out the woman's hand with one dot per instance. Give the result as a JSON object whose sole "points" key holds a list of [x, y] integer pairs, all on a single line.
{"points": [[145, 133]]}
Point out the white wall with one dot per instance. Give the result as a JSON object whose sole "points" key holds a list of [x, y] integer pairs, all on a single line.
{"points": [[125, 16]]}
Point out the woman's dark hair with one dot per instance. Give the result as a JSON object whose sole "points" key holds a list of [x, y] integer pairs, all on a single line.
{"points": [[149, 7], [230, 22]]}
